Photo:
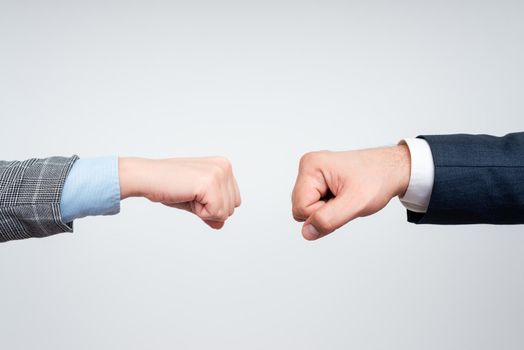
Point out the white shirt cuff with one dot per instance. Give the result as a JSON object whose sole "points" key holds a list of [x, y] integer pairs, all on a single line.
{"points": [[422, 176]]}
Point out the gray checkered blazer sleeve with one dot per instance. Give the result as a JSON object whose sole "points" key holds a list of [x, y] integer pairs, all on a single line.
{"points": [[30, 194]]}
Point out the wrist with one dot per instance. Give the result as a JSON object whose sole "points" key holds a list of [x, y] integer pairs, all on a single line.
{"points": [[402, 165], [131, 172]]}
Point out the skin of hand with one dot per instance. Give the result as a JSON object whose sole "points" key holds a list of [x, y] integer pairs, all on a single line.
{"points": [[205, 187], [333, 188]]}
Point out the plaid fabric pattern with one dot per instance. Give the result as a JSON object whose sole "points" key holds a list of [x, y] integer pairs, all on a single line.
{"points": [[30, 194]]}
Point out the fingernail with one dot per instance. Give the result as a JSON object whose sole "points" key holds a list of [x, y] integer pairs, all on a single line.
{"points": [[310, 232]]}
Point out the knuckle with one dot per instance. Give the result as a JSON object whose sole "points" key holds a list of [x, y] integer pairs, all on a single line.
{"points": [[323, 223], [299, 218], [299, 214], [217, 175], [212, 178], [217, 170], [221, 214], [312, 157], [308, 157], [223, 163], [221, 169]]}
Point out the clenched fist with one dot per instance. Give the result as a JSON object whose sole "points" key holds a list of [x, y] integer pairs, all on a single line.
{"points": [[334, 188], [205, 187]]}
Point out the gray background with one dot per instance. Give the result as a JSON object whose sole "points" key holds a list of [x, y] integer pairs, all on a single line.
{"points": [[261, 83]]}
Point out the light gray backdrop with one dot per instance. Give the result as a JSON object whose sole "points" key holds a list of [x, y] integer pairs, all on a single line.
{"points": [[260, 82]]}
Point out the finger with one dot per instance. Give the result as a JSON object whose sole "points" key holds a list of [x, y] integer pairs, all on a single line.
{"points": [[231, 206], [332, 215], [307, 196], [304, 213], [211, 207], [217, 225], [231, 196], [238, 198]]}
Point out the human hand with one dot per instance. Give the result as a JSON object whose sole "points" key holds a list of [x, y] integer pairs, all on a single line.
{"points": [[334, 188], [205, 187]]}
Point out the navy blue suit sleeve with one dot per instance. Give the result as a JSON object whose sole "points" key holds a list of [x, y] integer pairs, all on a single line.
{"points": [[479, 179]]}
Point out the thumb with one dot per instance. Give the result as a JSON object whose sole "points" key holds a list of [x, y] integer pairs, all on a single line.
{"points": [[334, 214]]}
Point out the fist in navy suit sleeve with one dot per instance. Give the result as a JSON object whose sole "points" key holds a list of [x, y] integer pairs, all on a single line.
{"points": [[474, 179]]}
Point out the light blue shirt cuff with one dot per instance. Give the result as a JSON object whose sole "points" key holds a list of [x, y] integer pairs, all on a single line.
{"points": [[91, 188]]}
